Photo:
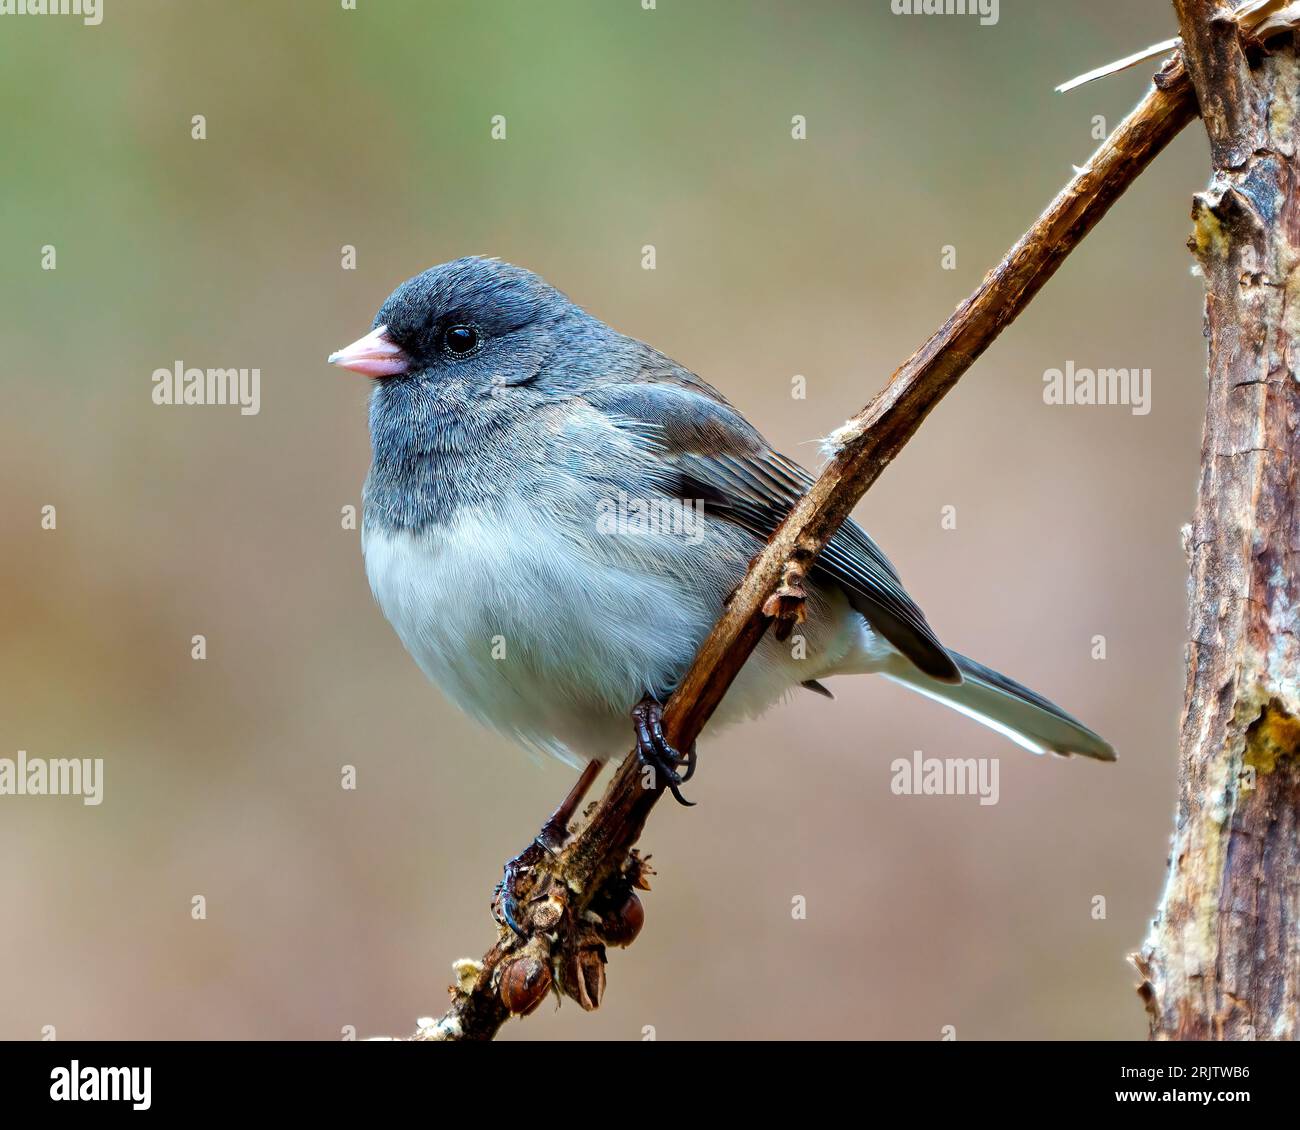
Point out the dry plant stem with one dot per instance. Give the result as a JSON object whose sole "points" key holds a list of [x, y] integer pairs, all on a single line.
{"points": [[1222, 960], [866, 445]]}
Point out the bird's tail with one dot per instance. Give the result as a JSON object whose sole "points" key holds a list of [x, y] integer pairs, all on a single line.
{"points": [[1004, 705]]}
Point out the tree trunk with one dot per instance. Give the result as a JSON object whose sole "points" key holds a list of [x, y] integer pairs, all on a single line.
{"points": [[1222, 960]]}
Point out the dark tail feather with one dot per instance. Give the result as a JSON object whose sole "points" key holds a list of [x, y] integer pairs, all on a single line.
{"points": [[1002, 704]]}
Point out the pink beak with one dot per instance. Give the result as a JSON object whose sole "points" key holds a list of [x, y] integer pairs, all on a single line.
{"points": [[375, 355]]}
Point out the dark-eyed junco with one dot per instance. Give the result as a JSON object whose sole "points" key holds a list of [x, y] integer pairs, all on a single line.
{"points": [[555, 514]]}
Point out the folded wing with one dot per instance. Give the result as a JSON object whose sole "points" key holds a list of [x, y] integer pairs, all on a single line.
{"points": [[717, 456]]}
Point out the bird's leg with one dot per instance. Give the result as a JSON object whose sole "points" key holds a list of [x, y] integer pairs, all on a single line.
{"points": [[654, 748], [556, 828], [513, 885]]}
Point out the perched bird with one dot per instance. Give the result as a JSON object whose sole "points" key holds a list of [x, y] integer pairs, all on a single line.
{"points": [[555, 514]]}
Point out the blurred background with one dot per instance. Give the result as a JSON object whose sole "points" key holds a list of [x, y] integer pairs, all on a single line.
{"points": [[822, 257]]}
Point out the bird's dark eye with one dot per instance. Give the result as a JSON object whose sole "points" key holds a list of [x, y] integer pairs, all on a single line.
{"points": [[461, 340]]}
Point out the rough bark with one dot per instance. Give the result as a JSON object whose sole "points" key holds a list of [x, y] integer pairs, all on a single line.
{"points": [[1222, 960], [566, 945]]}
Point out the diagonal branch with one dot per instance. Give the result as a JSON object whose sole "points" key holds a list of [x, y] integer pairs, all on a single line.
{"points": [[600, 855]]}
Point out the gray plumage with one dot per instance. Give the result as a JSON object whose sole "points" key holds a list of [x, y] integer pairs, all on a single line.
{"points": [[486, 550]]}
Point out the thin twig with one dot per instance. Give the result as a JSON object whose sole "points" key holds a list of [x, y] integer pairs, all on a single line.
{"points": [[599, 852], [1256, 21], [1147, 53]]}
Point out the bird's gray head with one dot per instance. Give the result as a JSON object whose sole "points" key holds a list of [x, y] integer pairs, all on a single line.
{"points": [[471, 322], [463, 356]]}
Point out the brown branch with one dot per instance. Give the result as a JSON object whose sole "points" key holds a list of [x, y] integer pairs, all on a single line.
{"points": [[599, 859], [1222, 960]]}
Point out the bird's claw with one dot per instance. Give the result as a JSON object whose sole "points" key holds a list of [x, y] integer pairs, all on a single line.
{"points": [[516, 885], [654, 749]]}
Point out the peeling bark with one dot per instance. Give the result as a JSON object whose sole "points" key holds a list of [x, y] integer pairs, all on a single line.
{"points": [[1222, 960]]}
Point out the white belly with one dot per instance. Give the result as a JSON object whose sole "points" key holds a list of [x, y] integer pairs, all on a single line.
{"points": [[552, 636]]}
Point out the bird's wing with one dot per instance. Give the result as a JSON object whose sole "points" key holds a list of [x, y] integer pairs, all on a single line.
{"points": [[719, 457]]}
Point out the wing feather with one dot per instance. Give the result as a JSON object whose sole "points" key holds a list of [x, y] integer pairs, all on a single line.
{"points": [[719, 457]]}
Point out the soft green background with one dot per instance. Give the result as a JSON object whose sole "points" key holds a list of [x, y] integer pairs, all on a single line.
{"points": [[775, 257]]}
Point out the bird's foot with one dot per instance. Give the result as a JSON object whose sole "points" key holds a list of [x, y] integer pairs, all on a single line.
{"points": [[655, 750], [517, 884]]}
